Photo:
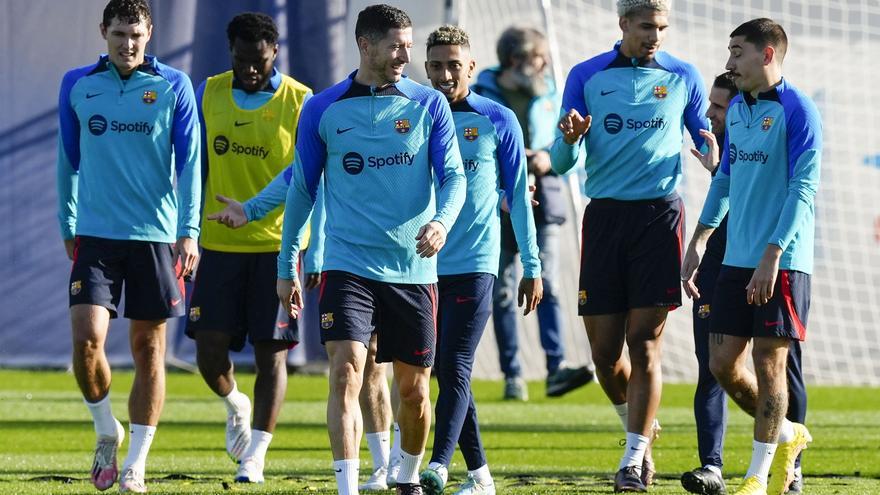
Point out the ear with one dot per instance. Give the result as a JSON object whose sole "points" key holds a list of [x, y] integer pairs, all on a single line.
{"points": [[769, 55], [363, 44], [274, 51], [471, 66], [149, 32], [623, 22], [103, 29], [426, 68]]}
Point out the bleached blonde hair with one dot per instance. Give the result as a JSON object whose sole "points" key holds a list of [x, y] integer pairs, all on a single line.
{"points": [[627, 7]]}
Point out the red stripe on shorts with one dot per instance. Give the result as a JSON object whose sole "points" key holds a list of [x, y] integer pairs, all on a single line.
{"points": [[785, 282]]}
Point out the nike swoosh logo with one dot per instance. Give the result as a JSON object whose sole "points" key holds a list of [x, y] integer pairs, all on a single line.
{"points": [[734, 123], [339, 470], [175, 302], [606, 93], [90, 95], [239, 124], [422, 352], [342, 131], [772, 323], [283, 325], [462, 299]]}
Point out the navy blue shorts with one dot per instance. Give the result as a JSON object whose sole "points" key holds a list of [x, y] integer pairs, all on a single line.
{"points": [[404, 316], [785, 315], [234, 293], [631, 255], [147, 270]]}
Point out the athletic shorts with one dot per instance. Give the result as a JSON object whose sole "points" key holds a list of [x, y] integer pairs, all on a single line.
{"points": [[785, 315], [146, 270], [403, 315], [234, 293], [707, 277], [631, 255]]}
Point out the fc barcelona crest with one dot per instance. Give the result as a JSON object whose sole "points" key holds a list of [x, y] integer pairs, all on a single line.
{"points": [[703, 311], [401, 126], [75, 287], [660, 92], [471, 133], [195, 313], [326, 320], [766, 123], [150, 96], [582, 297]]}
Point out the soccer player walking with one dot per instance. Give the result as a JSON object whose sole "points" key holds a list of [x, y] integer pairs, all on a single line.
{"points": [[380, 142], [249, 117], [490, 140], [640, 99], [128, 132], [710, 401], [769, 175]]}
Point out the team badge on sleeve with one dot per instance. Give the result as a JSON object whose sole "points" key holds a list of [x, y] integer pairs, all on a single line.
{"points": [[76, 287], [582, 297], [703, 311], [195, 313], [326, 320], [766, 123], [150, 96], [660, 92], [471, 133], [401, 126]]}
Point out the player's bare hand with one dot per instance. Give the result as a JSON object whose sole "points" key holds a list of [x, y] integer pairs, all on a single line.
{"points": [[573, 126], [506, 209], [232, 215], [69, 247], [186, 254], [531, 291], [760, 288], [709, 161], [431, 237], [538, 162], [290, 295], [689, 266], [313, 280]]}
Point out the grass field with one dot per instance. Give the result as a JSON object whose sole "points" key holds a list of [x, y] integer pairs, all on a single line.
{"points": [[567, 445]]}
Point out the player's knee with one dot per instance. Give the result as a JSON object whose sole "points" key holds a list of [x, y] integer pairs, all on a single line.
{"points": [[345, 378], [721, 368], [644, 353], [414, 395], [605, 362]]}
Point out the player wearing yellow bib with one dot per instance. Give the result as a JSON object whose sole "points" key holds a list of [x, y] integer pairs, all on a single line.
{"points": [[249, 118]]}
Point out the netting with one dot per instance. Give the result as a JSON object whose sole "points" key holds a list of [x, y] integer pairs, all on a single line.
{"points": [[831, 57]]}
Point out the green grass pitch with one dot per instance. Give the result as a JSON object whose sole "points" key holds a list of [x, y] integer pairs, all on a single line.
{"points": [[567, 445]]}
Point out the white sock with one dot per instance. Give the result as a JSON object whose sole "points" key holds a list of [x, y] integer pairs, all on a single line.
{"points": [[395, 444], [347, 476], [786, 431], [260, 441], [409, 467], [380, 448], [102, 416], [481, 475], [623, 412], [139, 441], [714, 469], [235, 400], [762, 457], [635, 451]]}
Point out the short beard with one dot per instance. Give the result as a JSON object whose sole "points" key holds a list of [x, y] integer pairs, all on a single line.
{"points": [[533, 84]]}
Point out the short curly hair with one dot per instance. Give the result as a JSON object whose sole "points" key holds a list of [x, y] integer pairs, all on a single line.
{"points": [[252, 27], [628, 7], [129, 11], [448, 35]]}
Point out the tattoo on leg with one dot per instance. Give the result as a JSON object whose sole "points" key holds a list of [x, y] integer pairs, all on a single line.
{"points": [[773, 411]]}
